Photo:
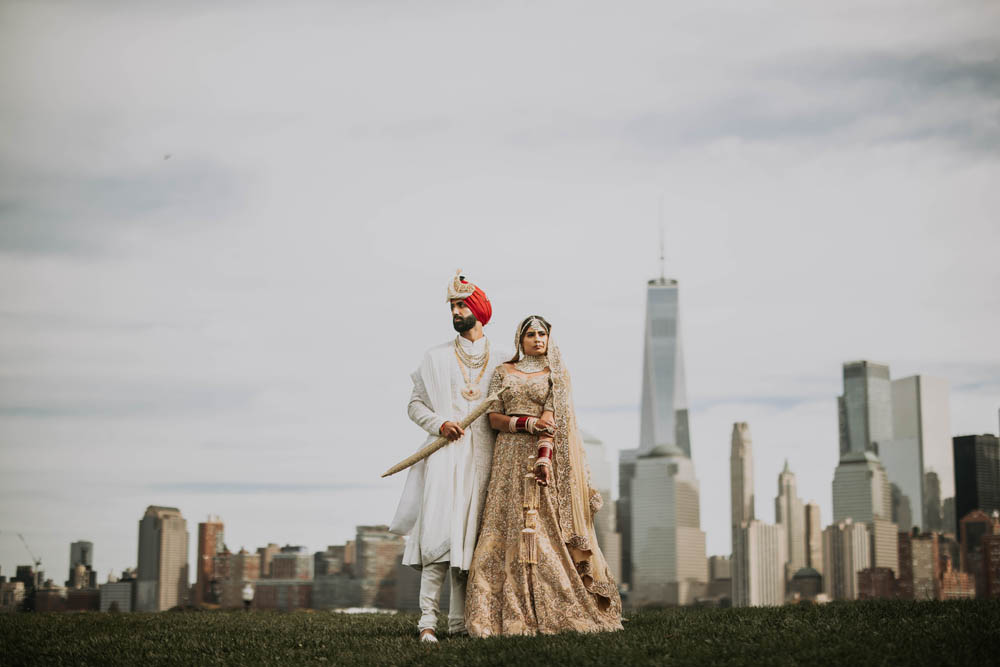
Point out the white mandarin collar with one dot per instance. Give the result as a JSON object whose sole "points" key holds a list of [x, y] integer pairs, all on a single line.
{"points": [[472, 347]]}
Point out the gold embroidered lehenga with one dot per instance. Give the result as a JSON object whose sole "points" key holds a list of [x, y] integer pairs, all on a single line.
{"points": [[537, 567]]}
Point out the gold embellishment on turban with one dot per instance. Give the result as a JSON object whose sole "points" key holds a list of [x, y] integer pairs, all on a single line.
{"points": [[458, 289]]}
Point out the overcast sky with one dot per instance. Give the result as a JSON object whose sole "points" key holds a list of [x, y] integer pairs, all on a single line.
{"points": [[226, 230]]}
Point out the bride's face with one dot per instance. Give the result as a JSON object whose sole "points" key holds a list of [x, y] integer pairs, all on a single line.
{"points": [[535, 342]]}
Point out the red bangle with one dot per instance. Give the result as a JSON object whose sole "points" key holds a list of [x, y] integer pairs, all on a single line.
{"points": [[545, 451], [522, 423]]}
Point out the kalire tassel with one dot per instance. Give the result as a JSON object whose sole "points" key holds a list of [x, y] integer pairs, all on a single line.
{"points": [[529, 538], [529, 547], [531, 492]]}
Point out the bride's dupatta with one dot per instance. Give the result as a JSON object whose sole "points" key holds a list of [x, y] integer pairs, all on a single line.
{"points": [[576, 501]]}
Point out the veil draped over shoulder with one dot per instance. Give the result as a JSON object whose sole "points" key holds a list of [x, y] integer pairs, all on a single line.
{"points": [[576, 501]]}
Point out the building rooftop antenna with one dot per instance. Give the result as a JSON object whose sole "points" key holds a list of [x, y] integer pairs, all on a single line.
{"points": [[663, 276]]}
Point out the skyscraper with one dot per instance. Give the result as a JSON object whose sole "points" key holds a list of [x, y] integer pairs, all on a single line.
{"points": [[846, 551], [977, 474], [861, 489], [865, 407], [918, 457], [814, 537], [763, 554], [163, 565], [81, 565], [210, 542], [789, 512], [860, 485], [742, 507], [664, 394], [884, 545], [671, 505], [81, 551], [668, 545]]}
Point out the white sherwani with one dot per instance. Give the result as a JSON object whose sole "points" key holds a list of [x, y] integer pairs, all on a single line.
{"points": [[444, 494]]}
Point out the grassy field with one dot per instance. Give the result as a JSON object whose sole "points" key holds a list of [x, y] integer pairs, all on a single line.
{"points": [[861, 633]]}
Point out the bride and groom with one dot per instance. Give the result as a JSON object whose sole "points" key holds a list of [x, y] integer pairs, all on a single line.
{"points": [[505, 510]]}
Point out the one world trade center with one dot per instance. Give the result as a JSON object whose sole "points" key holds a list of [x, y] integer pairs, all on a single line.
{"points": [[663, 547]]}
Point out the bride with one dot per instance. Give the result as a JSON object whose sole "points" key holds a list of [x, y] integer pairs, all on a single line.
{"points": [[537, 567]]}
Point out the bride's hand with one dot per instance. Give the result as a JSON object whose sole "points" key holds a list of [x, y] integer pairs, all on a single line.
{"points": [[545, 424], [542, 474]]}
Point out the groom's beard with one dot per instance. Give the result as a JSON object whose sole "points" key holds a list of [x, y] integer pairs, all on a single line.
{"points": [[463, 324]]}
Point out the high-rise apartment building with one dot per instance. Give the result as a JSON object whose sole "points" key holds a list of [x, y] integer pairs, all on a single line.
{"points": [[790, 513], [884, 545], [663, 546], [210, 543], [741, 498], [977, 474], [814, 538], [762, 549], [163, 560], [846, 551]]}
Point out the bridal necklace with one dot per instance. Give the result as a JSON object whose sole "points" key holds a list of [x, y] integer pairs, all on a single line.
{"points": [[534, 364], [472, 391]]}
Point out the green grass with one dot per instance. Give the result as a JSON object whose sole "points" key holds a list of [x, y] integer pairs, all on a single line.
{"points": [[855, 634]]}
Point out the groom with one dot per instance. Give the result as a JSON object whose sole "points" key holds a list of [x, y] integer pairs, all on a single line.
{"points": [[444, 494]]}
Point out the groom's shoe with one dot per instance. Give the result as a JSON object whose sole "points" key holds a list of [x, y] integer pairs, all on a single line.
{"points": [[427, 635]]}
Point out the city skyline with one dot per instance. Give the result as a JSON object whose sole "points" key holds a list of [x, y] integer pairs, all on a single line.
{"points": [[603, 468], [215, 286]]}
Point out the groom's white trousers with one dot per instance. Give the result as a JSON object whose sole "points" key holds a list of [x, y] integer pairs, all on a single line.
{"points": [[431, 579]]}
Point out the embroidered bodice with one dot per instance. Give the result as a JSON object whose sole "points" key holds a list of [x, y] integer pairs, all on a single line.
{"points": [[526, 394]]}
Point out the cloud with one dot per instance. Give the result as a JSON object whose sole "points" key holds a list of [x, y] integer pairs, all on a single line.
{"points": [[238, 488], [110, 398], [51, 211]]}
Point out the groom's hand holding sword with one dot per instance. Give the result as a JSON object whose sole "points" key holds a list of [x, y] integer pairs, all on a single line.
{"points": [[448, 434]]}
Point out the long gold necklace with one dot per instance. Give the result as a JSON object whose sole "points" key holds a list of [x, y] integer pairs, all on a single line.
{"points": [[472, 392]]}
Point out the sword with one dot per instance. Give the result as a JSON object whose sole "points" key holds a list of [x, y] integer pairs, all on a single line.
{"points": [[442, 441]]}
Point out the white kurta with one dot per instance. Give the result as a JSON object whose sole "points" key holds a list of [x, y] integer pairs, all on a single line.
{"points": [[444, 494]]}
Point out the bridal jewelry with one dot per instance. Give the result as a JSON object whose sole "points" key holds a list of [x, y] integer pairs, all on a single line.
{"points": [[534, 364], [472, 392]]}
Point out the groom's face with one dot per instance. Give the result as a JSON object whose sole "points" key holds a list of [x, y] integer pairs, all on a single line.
{"points": [[461, 316]]}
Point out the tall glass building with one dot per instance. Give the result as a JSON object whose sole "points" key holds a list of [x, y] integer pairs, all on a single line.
{"points": [[664, 394], [663, 547], [865, 407]]}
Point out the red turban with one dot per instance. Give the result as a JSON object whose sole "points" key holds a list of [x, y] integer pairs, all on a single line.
{"points": [[474, 298], [479, 305]]}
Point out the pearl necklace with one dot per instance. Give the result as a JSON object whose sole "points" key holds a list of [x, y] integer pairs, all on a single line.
{"points": [[472, 391], [477, 361], [528, 364]]}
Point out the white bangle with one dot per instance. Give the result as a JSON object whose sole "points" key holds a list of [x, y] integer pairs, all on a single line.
{"points": [[512, 424]]}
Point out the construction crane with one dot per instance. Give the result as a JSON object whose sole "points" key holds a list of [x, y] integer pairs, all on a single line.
{"points": [[36, 561]]}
